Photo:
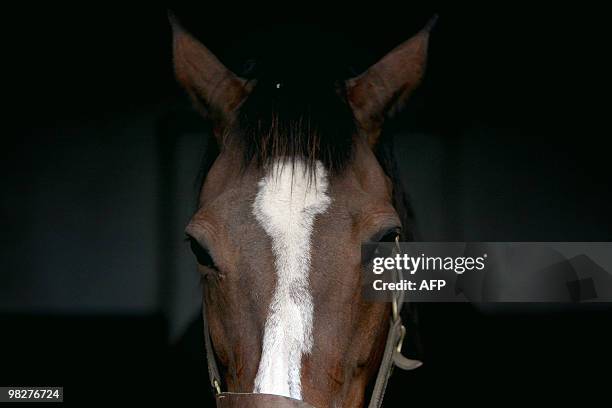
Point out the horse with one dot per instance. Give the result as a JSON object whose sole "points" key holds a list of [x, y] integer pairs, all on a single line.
{"points": [[300, 178]]}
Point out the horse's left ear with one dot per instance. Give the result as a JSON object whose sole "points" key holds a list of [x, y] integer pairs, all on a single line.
{"points": [[215, 90], [382, 90]]}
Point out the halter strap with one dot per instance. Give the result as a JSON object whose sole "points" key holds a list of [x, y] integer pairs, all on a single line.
{"points": [[392, 357], [251, 400], [213, 371]]}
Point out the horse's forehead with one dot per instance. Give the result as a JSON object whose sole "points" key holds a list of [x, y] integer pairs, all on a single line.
{"points": [[287, 188], [228, 196]]}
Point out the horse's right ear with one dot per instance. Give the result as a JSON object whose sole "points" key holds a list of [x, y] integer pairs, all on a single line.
{"points": [[214, 89]]}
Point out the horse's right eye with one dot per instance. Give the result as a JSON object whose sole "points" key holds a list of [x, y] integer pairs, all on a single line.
{"points": [[202, 255]]}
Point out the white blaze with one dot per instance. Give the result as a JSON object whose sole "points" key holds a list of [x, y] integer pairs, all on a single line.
{"points": [[286, 206]]}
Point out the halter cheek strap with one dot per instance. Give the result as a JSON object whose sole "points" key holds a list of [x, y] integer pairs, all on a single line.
{"points": [[392, 357], [213, 370]]}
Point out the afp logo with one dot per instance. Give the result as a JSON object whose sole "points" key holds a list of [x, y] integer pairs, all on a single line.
{"points": [[432, 284]]}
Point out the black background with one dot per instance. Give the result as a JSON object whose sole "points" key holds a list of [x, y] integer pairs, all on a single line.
{"points": [[514, 97]]}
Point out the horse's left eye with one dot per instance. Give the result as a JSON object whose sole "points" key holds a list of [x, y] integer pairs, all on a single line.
{"points": [[390, 235], [202, 255], [385, 236]]}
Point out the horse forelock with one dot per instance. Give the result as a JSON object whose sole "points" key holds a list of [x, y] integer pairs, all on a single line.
{"points": [[294, 120]]}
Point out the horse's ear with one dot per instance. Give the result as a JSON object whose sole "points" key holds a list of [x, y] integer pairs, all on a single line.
{"points": [[214, 89], [382, 90]]}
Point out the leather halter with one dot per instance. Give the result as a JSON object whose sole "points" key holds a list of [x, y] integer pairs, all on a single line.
{"points": [[392, 357]]}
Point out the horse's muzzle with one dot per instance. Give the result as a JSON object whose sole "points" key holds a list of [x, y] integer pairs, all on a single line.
{"points": [[251, 400]]}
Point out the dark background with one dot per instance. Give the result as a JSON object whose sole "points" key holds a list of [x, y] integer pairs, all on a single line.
{"points": [[506, 140]]}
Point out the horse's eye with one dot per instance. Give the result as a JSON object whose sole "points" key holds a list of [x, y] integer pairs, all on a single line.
{"points": [[371, 251], [202, 255], [390, 235]]}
